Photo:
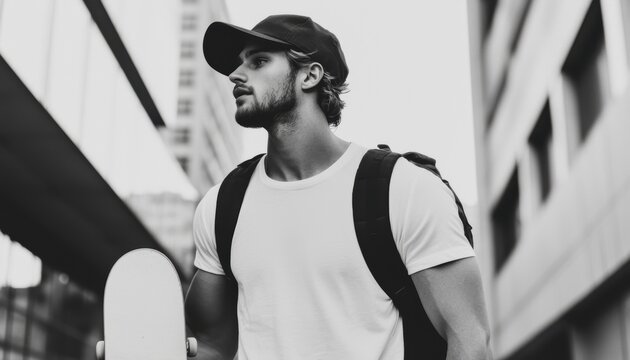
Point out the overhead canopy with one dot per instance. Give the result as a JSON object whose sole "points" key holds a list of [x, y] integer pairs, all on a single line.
{"points": [[52, 200]]}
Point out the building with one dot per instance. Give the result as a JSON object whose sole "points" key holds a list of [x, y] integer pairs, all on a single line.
{"points": [[552, 121], [205, 138], [84, 88], [169, 217]]}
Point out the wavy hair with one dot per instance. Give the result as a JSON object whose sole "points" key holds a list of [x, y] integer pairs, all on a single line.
{"points": [[328, 93]]}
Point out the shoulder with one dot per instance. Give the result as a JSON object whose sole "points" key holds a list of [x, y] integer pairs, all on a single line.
{"points": [[206, 257], [209, 200], [408, 178], [206, 209], [424, 218]]}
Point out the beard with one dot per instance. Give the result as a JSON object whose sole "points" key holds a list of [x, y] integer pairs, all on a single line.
{"points": [[274, 107]]}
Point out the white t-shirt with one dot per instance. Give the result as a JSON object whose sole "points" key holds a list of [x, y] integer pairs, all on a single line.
{"points": [[304, 289]]}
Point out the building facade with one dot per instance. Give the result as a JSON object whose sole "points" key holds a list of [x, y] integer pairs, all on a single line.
{"points": [[169, 217], [551, 106], [205, 139], [85, 87]]}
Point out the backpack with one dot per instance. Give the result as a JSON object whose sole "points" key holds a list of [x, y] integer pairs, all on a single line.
{"points": [[370, 204]]}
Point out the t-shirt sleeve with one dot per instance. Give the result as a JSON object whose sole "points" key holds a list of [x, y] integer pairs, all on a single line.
{"points": [[206, 256], [425, 223]]}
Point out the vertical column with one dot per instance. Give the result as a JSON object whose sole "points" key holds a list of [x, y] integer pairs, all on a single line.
{"points": [[561, 149], [625, 14], [48, 44], [616, 33], [483, 241], [528, 186]]}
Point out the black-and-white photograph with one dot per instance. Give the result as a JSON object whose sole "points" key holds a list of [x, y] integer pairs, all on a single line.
{"points": [[315, 180]]}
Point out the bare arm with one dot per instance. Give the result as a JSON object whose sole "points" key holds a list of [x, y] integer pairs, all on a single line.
{"points": [[452, 296], [211, 315]]}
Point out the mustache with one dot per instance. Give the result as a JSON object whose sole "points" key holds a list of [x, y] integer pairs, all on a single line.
{"points": [[241, 90]]}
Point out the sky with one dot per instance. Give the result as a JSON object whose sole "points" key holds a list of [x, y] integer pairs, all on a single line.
{"points": [[409, 76]]}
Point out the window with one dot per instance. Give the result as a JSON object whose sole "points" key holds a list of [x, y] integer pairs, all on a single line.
{"points": [[540, 142], [506, 222], [586, 68], [186, 77], [189, 22], [184, 107], [183, 162], [181, 135], [516, 37], [46, 316], [187, 49]]}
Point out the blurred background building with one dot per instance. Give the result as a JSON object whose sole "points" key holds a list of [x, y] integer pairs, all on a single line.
{"points": [[205, 139], [110, 131], [552, 121]]}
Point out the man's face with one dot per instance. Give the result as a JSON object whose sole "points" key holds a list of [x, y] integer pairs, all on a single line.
{"points": [[264, 87]]}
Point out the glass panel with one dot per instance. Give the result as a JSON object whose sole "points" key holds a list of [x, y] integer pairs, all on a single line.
{"points": [[3, 321], [17, 330], [153, 45], [20, 300], [41, 295], [37, 338], [506, 222], [586, 67], [14, 355], [98, 123], [68, 65], [120, 141], [592, 88], [24, 40], [75, 318], [541, 142]]}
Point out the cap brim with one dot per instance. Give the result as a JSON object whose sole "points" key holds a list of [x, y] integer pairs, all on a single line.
{"points": [[223, 43]]}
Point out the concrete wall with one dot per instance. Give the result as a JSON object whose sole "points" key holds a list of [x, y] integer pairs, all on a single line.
{"points": [[578, 237]]}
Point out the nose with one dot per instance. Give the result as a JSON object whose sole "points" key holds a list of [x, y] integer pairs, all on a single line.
{"points": [[238, 76]]}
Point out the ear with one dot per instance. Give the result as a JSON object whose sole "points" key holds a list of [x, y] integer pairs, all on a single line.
{"points": [[313, 74]]}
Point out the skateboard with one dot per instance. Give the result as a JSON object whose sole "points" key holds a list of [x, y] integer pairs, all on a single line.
{"points": [[144, 310]]}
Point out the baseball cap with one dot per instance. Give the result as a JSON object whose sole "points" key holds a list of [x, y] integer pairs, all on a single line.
{"points": [[223, 43]]}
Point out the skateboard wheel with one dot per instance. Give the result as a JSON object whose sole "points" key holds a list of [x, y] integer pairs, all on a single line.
{"points": [[100, 350], [191, 346]]}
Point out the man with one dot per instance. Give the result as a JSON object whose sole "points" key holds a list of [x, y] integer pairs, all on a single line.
{"points": [[303, 289]]}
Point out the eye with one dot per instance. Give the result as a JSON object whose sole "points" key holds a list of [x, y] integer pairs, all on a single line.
{"points": [[259, 61]]}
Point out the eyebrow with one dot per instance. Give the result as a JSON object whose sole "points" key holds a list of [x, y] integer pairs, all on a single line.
{"points": [[251, 52]]}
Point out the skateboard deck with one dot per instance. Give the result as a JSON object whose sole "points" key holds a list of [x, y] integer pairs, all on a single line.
{"points": [[144, 310]]}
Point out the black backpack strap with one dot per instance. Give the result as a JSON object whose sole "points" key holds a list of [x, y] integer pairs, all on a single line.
{"points": [[428, 163], [370, 202], [229, 201]]}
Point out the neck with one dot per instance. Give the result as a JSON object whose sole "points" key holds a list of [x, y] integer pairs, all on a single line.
{"points": [[301, 146]]}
